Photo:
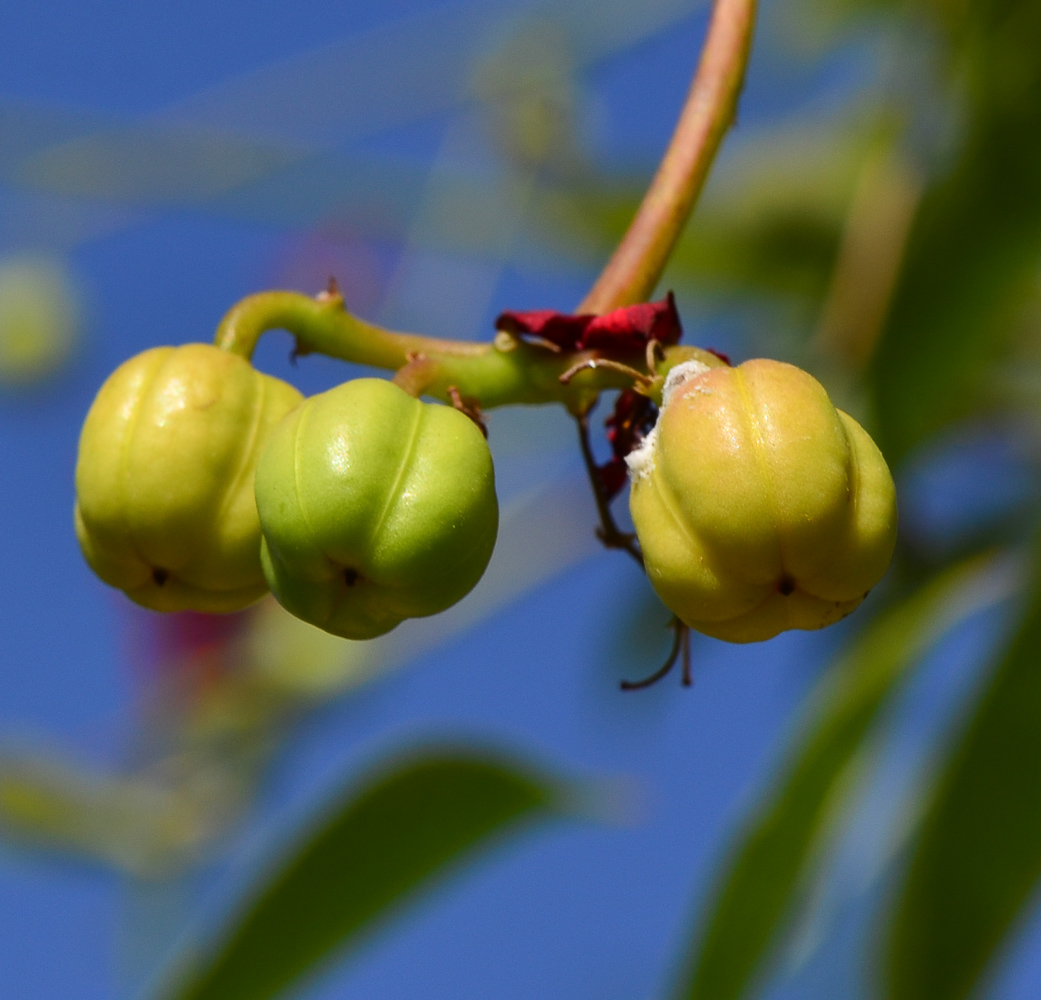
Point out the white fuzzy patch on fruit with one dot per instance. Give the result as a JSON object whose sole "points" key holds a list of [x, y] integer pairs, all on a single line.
{"points": [[641, 460], [680, 376]]}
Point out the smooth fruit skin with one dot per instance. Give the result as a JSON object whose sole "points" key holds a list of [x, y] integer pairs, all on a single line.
{"points": [[164, 479], [759, 506], [375, 507]]}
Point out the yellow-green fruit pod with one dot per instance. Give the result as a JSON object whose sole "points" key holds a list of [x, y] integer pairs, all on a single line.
{"points": [[375, 507], [759, 506], [164, 480]]}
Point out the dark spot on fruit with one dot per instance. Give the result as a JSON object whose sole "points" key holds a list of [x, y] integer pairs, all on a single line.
{"points": [[786, 585], [866, 592], [160, 576], [351, 576]]}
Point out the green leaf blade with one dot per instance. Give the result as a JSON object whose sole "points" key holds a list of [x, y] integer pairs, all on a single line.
{"points": [[757, 891], [378, 846], [977, 860], [971, 260]]}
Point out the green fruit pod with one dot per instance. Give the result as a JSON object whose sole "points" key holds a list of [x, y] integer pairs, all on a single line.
{"points": [[758, 505], [375, 507], [164, 478]]}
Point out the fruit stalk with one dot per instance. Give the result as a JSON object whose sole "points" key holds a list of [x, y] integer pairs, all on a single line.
{"points": [[509, 370]]}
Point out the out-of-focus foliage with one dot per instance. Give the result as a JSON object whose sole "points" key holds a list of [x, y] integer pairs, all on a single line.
{"points": [[40, 316], [378, 845], [972, 257], [768, 866], [135, 824], [770, 220], [924, 315], [978, 857]]}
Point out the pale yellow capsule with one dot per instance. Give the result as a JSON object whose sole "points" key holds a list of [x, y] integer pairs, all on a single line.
{"points": [[758, 505], [164, 479]]}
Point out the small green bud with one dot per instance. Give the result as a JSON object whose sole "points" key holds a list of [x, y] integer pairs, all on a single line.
{"points": [[375, 507], [164, 480], [759, 506]]}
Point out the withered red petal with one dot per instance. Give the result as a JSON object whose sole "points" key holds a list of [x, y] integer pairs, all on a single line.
{"points": [[632, 327], [621, 331], [613, 475], [564, 330]]}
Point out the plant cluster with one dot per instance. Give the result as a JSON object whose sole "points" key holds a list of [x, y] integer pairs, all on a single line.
{"points": [[758, 506]]}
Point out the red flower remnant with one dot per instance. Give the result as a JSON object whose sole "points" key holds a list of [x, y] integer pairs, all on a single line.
{"points": [[630, 421], [183, 657], [622, 331], [188, 633], [186, 642]]}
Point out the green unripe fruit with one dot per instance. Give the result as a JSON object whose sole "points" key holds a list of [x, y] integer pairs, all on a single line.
{"points": [[164, 480], [375, 507], [759, 506]]}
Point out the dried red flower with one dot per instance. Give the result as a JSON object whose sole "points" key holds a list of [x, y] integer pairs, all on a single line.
{"points": [[622, 331], [630, 421]]}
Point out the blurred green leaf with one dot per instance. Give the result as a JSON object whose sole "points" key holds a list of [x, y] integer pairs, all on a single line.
{"points": [[144, 828], [977, 859], [40, 313], [770, 219], [759, 886], [396, 834], [972, 256]]}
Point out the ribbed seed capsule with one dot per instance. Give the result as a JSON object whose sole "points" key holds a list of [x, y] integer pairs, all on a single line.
{"points": [[759, 506], [375, 507], [164, 479]]}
